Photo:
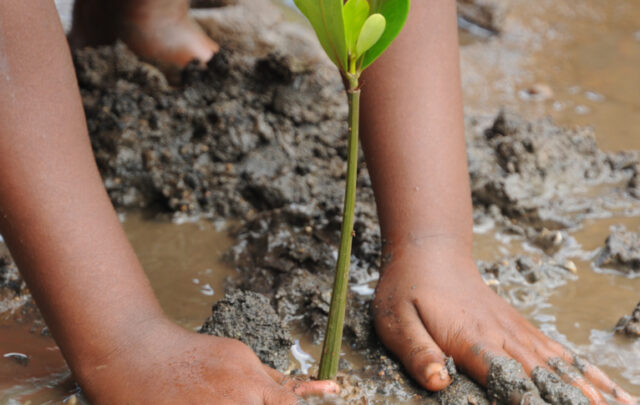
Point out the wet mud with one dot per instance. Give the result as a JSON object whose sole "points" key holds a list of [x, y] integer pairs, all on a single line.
{"points": [[507, 383], [534, 175], [630, 324], [13, 290], [16, 303], [250, 318], [259, 136], [556, 391], [486, 14], [621, 252]]}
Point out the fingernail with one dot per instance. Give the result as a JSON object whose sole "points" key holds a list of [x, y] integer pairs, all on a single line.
{"points": [[436, 372], [334, 388], [330, 387]]}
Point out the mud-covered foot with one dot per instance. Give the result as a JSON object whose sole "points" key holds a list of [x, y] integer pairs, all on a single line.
{"points": [[159, 31], [431, 302]]}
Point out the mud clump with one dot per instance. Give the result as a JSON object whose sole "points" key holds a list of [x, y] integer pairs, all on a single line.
{"points": [[539, 175], [16, 303], [15, 300], [634, 183], [507, 383], [250, 318], [289, 255], [630, 324], [196, 149], [523, 280], [555, 391], [621, 251], [487, 14], [462, 391], [11, 284]]}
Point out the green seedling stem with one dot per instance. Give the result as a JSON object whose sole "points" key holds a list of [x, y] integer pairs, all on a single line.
{"points": [[353, 33], [333, 337]]}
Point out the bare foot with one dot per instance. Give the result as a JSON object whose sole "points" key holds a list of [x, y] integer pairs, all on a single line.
{"points": [[431, 301], [159, 31]]}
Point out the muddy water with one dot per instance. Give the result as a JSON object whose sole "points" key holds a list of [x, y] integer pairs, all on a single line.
{"points": [[182, 261], [579, 58], [183, 264], [583, 312], [576, 61]]}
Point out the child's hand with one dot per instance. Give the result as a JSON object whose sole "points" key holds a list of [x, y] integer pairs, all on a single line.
{"points": [[433, 300], [169, 365]]}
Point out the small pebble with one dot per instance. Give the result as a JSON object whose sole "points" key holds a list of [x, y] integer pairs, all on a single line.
{"points": [[557, 238], [537, 92], [571, 266]]}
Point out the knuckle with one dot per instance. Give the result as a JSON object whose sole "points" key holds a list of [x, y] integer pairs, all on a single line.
{"points": [[279, 396], [420, 356], [454, 335]]}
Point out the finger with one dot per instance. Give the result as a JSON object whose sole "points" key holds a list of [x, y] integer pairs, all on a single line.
{"points": [[403, 332], [301, 385], [552, 388], [547, 349], [506, 380], [572, 376], [592, 373]]}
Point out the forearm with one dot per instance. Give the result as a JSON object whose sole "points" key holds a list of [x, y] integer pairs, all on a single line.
{"points": [[413, 133], [54, 212]]}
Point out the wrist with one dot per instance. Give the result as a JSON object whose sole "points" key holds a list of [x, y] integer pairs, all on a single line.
{"points": [[121, 339], [433, 253], [428, 242]]}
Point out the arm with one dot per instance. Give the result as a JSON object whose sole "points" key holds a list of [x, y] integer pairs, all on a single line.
{"points": [[66, 239], [431, 299]]}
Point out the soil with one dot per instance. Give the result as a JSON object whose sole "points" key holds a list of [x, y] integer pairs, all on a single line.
{"points": [[507, 383], [250, 318], [258, 136], [487, 14], [554, 390], [630, 325], [12, 287], [537, 175], [16, 303], [621, 252]]}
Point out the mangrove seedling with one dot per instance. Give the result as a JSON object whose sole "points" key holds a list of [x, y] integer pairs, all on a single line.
{"points": [[353, 34]]}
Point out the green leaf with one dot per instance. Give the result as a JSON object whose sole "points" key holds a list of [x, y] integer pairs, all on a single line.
{"points": [[326, 19], [355, 13], [371, 32], [396, 13]]}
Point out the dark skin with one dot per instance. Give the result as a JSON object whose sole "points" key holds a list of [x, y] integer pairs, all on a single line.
{"points": [[68, 243], [65, 236]]}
